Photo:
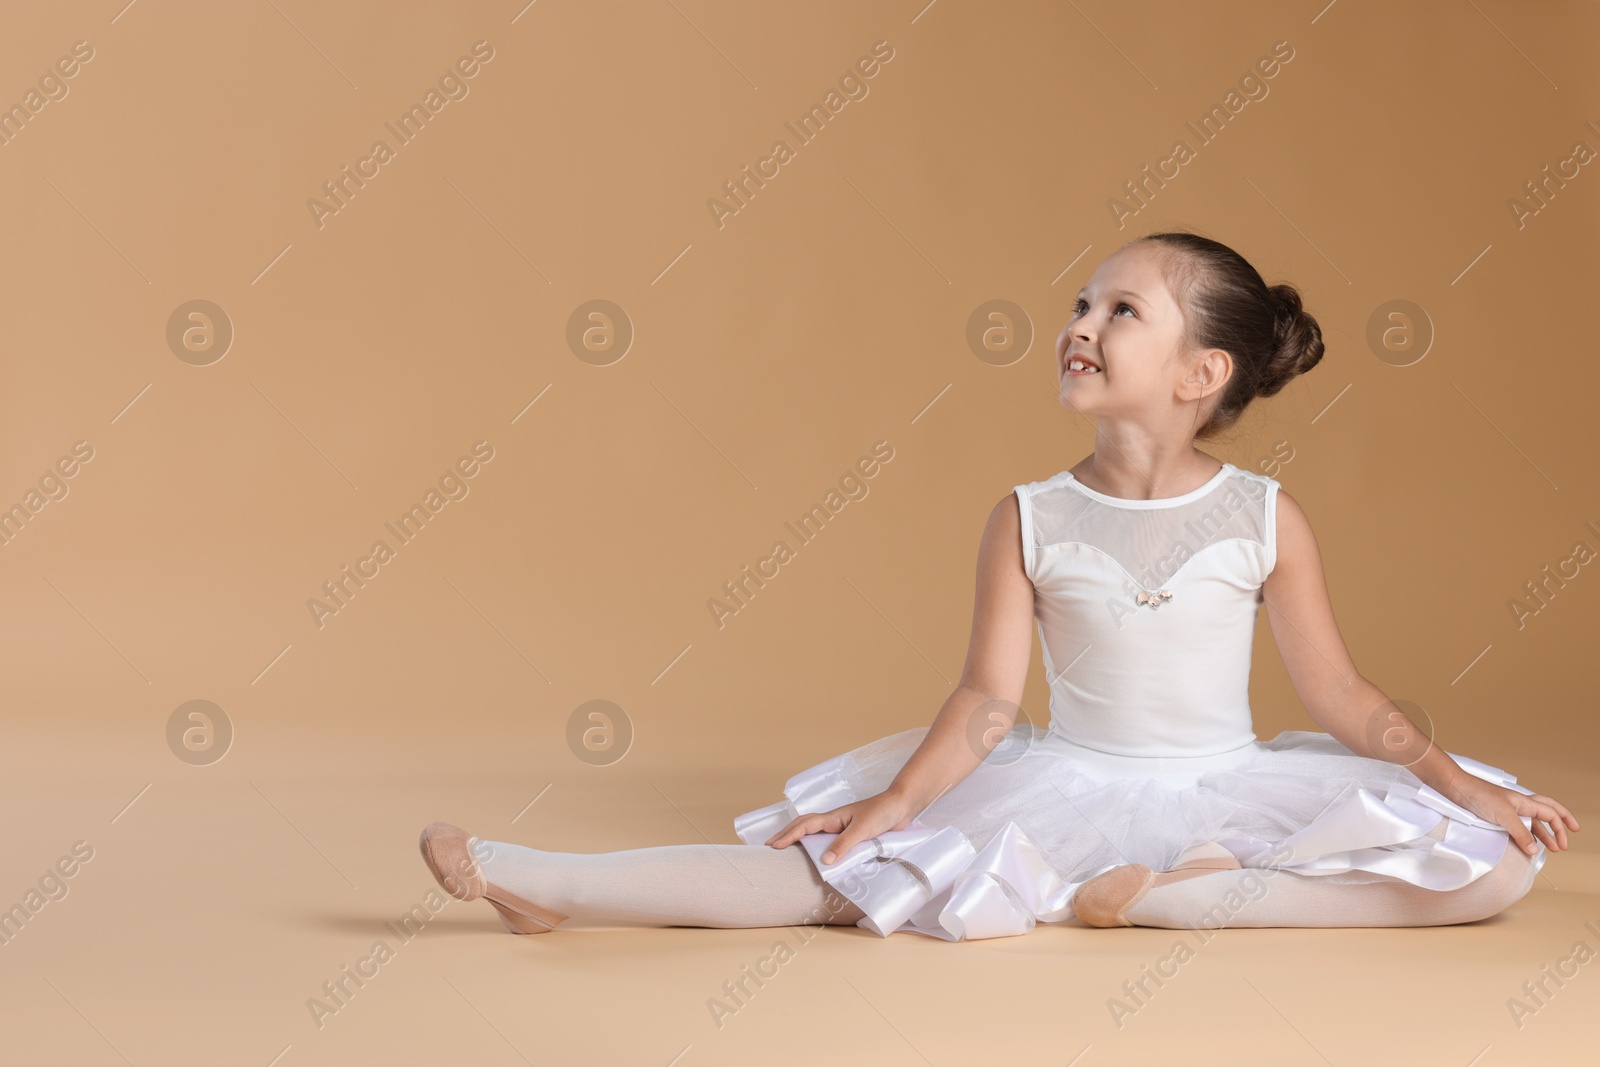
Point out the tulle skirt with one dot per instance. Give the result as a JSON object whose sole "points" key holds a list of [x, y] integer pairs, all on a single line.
{"points": [[1009, 845]]}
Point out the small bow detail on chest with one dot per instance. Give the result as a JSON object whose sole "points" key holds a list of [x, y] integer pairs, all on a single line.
{"points": [[1155, 600]]}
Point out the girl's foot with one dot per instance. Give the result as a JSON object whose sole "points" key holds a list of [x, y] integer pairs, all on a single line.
{"points": [[1104, 900], [447, 850]]}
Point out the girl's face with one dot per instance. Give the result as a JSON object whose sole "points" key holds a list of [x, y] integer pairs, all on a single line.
{"points": [[1126, 323]]}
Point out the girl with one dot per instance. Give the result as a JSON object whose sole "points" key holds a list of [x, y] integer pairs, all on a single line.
{"points": [[1148, 801]]}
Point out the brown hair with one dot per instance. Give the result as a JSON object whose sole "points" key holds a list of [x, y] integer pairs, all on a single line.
{"points": [[1227, 305]]}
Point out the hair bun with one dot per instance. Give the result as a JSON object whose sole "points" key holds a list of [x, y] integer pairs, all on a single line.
{"points": [[1296, 341]]}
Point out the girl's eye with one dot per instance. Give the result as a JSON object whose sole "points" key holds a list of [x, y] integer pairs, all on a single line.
{"points": [[1080, 307]]}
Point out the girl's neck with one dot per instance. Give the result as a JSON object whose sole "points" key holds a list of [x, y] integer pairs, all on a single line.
{"points": [[1147, 477]]}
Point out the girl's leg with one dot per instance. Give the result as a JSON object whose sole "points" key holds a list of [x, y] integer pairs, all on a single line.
{"points": [[1254, 897], [725, 886]]}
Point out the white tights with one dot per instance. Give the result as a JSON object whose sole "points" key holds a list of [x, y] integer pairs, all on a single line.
{"points": [[726, 886], [1255, 898], [738, 886]]}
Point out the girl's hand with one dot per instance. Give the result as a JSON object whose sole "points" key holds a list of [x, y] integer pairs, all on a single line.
{"points": [[854, 823], [1497, 804]]}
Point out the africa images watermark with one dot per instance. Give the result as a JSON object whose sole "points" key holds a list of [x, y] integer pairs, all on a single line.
{"points": [[53, 88], [52, 887], [340, 990], [453, 87], [1539, 192], [812, 123], [1540, 593], [1251, 885], [1212, 123], [1538, 994], [737, 993], [452, 486], [52, 487], [738, 590]]}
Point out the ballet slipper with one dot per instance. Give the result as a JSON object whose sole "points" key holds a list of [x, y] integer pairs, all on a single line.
{"points": [[1104, 900], [447, 851]]}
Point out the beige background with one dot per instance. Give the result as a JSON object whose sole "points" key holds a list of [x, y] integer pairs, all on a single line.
{"points": [[768, 355]]}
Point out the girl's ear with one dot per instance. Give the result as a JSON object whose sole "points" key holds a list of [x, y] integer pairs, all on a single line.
{"points": [[1208, 373]]}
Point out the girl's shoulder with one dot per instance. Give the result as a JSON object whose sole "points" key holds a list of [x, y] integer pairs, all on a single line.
{"points": [[1257, 479]]}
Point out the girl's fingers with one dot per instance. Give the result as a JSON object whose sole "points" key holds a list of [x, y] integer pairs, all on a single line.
{"points": [[806, 824], [839, 847], [1522, 835], [1556, 831], [1525, 836], [1566, 815], [1535, 827], [1561, 809]]}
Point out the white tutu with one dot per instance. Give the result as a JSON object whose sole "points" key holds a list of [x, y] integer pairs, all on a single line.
{"points": [[1009, 845]]}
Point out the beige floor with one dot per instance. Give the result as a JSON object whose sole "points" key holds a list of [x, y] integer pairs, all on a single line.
{"points": [[219, 902]]}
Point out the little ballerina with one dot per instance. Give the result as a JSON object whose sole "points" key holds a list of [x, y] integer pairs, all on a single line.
{"points": [[1148, 801]]}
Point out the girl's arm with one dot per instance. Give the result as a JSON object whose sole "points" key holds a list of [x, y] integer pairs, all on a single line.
{"points": [[985, 702], [1356, 712], [975, 716]]}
